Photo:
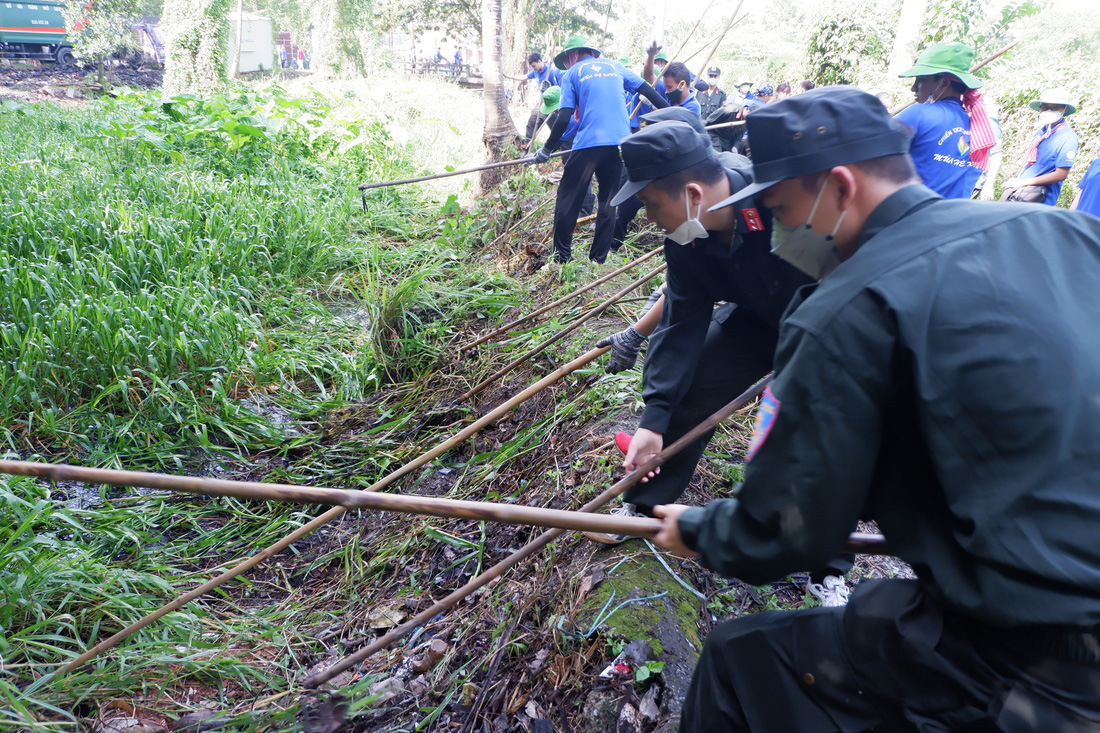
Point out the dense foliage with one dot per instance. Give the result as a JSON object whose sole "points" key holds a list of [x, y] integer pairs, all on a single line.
{"points": [[160, 256]]}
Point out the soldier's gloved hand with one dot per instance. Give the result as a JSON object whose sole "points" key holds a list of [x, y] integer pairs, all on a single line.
{"points": [[624, 349], [541, 156]]}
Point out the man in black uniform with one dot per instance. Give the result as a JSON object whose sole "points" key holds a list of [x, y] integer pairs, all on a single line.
{"points": [[699, 359], [942, 380], [713, 98]]}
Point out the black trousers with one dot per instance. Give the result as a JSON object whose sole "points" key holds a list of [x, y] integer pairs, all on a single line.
{"points": [[624, 214], [533, 122], [737, 352], [604, 162], [892, 660]]}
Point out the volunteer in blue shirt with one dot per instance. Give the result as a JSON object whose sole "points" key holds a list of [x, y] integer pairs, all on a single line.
{"points": [[678, 89], [592, 90], [1088, 191], [545, 76], [952, 136], [1052, 149]]}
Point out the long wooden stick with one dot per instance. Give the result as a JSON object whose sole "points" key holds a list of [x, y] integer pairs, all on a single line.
{"points": [[565, 331], [331, 514], [347, 499], [549, 536], [461, 172], [563, 299], [735, 123], [974, 68], [722, 37]]}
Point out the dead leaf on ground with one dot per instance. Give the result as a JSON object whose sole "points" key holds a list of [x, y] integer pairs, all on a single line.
{"points": [[386, 617]]}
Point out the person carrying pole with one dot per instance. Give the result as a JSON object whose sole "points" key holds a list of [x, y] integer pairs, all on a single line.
{"points": [[936, 382], [544, 76], [592, 91], [697, 358]]}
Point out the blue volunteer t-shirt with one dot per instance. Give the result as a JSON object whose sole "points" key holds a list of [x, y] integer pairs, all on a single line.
{"points": [[540, 76], [1090, 190], [1057, 151], [595, 88], [691, 103], [941, 147]]}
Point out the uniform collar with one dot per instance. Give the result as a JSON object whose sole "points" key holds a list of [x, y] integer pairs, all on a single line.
{"points": [[895, 207]]}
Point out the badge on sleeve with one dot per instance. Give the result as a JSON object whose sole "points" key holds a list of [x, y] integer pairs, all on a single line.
{"points": [[752, 220], [765, 418]]}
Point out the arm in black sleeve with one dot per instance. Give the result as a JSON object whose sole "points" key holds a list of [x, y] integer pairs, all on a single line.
{"points": [[655, 99], [808, 482], [676, 347], [565, 114]]}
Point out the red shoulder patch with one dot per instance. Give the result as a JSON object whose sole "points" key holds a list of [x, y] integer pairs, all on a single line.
{"points": [[752, 220]]}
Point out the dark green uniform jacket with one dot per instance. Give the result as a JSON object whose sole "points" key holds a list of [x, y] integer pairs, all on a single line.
{"points": [[710, 101], [700, 274], [944, 381]]}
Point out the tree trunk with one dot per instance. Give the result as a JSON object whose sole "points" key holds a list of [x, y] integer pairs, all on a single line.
{"points": [[518, 21], [905, 39], [326, 55], [500, 136], [196, 38]]}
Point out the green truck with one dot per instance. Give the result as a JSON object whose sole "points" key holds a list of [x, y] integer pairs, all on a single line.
{"points": [[34, 30]]}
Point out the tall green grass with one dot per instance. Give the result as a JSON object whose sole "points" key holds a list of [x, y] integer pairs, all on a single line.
{"points": [[162, 259]]}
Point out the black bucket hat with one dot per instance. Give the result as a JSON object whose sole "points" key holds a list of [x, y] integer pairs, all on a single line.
{"points": [[659, 150], [815, 131]]}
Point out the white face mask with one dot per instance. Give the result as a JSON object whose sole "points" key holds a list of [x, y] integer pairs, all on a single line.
{"points": [[802, 247], [1049, 117], [692, 228]]}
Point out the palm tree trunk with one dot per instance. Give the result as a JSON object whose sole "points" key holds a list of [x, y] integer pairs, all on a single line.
{"points": [[500, 136]]}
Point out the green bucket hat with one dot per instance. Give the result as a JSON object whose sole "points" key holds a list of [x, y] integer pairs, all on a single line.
{"points": [[551, 100], [576, 42], [946, 58], [1054, 96], [624, 61], [661, 56]]}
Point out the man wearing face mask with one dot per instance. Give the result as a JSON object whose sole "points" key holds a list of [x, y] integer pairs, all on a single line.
{"points": [[952, 135], [678, 90], [698, 359], [1051, 153], [941, 380]]}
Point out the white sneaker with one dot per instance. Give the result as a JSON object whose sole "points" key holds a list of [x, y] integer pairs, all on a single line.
{"points": [[831, 591], [606, 538]]}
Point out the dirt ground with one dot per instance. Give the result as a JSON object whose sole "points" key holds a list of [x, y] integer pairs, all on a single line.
{"points": [[28, 82]]}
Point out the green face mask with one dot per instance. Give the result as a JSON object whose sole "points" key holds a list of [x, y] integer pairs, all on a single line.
{"points": [[674, 95]]}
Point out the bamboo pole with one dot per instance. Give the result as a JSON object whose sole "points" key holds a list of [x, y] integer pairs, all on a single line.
{"points": [[349, 499], [563, 299], [736, 123], [873, 544], [342, 498], [463, 171], [722, 37], [331, 514], [996, 55], [565, 331]]}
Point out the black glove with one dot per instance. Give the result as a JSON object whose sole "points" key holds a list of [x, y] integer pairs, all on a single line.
{"points": [[541, 156], [624, 349], [652, 301]]}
